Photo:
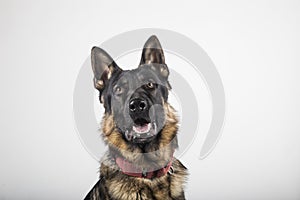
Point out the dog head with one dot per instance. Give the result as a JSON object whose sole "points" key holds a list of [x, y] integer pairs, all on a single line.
{"points": [[135, 101]]}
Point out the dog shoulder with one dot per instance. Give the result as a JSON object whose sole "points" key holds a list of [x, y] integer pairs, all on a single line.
{"points": [[178, 179], [98, 192]]}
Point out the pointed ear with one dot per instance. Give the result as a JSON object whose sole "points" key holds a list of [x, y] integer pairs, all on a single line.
{"points": [[152, 52], [103, 67]]}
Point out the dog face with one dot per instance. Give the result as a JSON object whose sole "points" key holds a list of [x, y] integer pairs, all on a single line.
{"points": [[135, 98]]}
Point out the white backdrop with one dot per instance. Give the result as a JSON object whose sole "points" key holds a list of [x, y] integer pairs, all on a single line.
{"points": [[254, 45]]}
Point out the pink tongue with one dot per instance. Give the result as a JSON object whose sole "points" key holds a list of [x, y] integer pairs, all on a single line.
{"points": [[142, 128]]}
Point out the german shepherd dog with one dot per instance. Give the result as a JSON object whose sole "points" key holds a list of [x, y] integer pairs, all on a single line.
{"points": [[139, 126]]}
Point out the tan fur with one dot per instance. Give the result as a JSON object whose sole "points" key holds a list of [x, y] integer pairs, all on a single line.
{"points": [[125, 187], [120, 186], [163, 150]]}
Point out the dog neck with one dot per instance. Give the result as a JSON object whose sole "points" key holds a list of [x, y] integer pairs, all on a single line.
{"points": [[154, 157], [132, 169]]}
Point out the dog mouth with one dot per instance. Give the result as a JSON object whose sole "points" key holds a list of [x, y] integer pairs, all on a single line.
{"points": [[141, 132]]}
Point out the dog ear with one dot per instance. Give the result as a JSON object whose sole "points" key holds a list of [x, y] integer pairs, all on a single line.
{"points": [[152, 52], [103, 67]]}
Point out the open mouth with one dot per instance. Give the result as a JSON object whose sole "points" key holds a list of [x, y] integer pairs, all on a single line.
{"points": [[141, 132]]}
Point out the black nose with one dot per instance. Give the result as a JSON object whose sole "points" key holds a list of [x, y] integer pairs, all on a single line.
{"points": [[137, 105]]}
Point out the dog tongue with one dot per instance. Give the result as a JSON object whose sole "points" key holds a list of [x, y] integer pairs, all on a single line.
{"points": [[142, 129]]}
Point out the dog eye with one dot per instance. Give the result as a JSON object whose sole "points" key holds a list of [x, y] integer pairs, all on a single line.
{"points": [[118, 90], [150, 85]]}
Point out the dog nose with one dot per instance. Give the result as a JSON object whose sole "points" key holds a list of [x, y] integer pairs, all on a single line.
{"points": [[137, 105]]}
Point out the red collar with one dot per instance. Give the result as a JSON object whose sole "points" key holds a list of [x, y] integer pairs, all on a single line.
{"points": [[131, 169]]}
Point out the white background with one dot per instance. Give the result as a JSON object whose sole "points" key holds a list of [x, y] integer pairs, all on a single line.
{"points": [[254, 45]]}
